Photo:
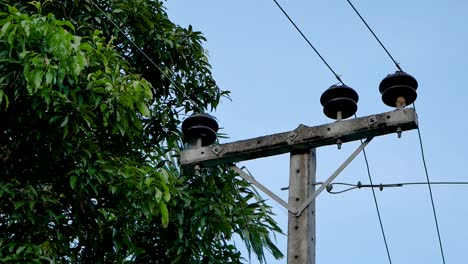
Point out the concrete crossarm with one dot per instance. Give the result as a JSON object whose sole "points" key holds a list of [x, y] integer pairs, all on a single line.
{"points": [[302, 138]]}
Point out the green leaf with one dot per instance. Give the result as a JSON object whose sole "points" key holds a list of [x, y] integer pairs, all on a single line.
{"points": [[158, 195], [164, 214], [19, 204], [26, 28], [38, 79], [73, 180], [143, 108], [50, 77], [5, 27], [23, 54], [65, 23], [121, 129], [20, 250], [113, 189], [180, 231], [64, 122], [12, 9]]}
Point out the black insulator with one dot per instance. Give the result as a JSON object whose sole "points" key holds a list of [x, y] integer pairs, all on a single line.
{"points": [[200, 126], [339, 98], [398, 85]]}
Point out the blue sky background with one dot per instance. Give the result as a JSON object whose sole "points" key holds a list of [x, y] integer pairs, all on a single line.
{"points": [[276, 81]]}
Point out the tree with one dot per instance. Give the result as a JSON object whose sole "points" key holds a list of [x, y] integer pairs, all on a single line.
{"points": [[89, 141]]}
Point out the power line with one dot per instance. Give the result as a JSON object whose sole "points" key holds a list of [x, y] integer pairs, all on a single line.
{"points": [[419, 132], [194, 104], [308, 41], [377, 206], [375, 202], [430, 191], [381, 186], [375, 36]]}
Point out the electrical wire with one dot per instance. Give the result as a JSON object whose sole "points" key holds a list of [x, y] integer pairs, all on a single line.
{"points": [[419, 133], [376, 206], [194, 104], [382, 186], [430, 191], [308, 41], [375, 36], [342, 191], [375, 202]]}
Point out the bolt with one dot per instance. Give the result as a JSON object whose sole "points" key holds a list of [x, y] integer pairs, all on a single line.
{"points": [[197, 170], [339, 143], [401, 102], [216, 150], [399, 130], [339, 116]]}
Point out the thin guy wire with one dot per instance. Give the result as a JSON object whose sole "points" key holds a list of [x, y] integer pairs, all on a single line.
{"points": [[432, 183], [342, 191], [430, 191], [377, 206], [375, 36], [308, 41], [148, 58], [382, 186]]}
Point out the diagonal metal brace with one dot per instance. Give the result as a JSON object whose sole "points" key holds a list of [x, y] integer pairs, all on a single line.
{"points": [[331, 178], [260, 186]]}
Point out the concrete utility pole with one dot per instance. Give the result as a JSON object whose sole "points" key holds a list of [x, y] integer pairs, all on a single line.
{"points": [[301, 229], [301, 143]]}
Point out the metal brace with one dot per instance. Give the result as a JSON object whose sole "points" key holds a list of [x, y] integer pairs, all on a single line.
{"points": [[260, 186], [297, 212], [301, 208]]}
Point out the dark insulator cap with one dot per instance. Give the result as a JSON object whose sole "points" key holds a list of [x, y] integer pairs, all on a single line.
{"points": [[398, 84], [339, 98], [202, 126]]}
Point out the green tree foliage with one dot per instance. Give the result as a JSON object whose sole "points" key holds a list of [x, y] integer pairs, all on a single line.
{"points": [[89, 139]]}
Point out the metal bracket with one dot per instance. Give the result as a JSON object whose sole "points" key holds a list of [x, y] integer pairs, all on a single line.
{"points": [[260, 186], [292, 136], [216, 150], [373, 121], [301, 208]]}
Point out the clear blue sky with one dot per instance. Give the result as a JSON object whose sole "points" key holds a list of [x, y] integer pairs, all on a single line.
{"points": [[276, 81]]}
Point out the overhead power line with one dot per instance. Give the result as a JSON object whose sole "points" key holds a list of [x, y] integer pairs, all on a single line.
{"points": [[430, 192], [377, 206], [308, 41], [375, 36], [419, 132]]}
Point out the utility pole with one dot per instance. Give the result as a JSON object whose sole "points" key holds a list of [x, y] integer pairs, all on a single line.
{"points": [[340, 102], [301, 229], [301, 143]]}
